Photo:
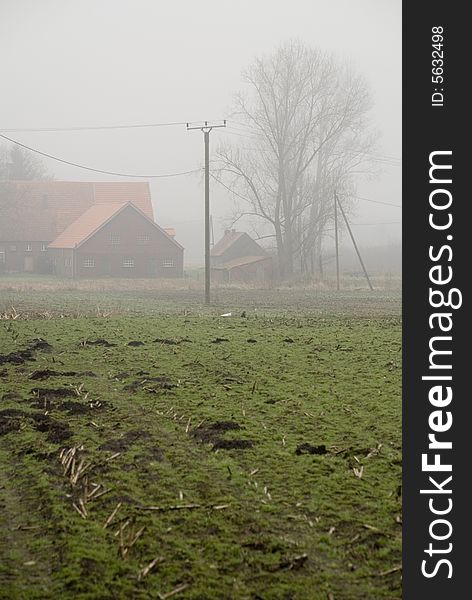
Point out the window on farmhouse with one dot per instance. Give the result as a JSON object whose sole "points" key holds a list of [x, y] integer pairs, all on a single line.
{"points": [[168, 262], [128, 262], [2, 257], [89, 263], [143, 238], [113, 239], [28, 247], [44, 247]]}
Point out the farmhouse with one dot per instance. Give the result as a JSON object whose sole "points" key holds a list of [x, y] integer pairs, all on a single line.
{"points": [[84, 229], [236, 257]]}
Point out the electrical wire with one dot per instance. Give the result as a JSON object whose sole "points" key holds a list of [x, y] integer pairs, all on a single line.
{"points": [[92, 128], [377, 201], [79, 166]]}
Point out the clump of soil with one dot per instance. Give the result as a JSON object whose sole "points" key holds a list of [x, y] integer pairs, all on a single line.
{"points": [[309, 449], [219, 340], [27, 354], [123, 443], [53, 393], [46, 398], [57, 430], [80, 408], [211, 434], [43, 374], [135, 343], [41, 344], [171, 341], [17, 358], [11, 418], [221, 444]]}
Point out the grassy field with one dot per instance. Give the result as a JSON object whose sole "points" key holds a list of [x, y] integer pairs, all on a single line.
{"points": [[152, 448]]}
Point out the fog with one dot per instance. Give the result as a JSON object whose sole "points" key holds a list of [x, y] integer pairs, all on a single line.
{"points": [[118, 62]]}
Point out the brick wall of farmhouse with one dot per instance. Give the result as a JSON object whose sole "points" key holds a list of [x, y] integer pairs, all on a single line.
{"points": [[128, 246]]}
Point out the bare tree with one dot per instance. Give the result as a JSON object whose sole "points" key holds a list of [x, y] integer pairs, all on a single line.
{"points": [[305, 114]]}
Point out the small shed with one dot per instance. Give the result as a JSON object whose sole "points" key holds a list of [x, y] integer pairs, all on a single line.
{"points": [[237, 258], [250, 269]]}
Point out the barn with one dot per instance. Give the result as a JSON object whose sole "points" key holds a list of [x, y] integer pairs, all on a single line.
{"points": [[84, 229], [237, 258]]}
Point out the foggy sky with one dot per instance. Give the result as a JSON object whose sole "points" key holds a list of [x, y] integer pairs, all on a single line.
{"points": [[68, 63]]}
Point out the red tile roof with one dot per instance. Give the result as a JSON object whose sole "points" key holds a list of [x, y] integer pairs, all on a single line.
{"points": [[41, 210], [88, 222], [226, 242], [92, 220]]}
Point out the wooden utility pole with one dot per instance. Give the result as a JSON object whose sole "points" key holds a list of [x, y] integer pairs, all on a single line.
{"points": [[353, 241], [336, 240], [206, 128]]}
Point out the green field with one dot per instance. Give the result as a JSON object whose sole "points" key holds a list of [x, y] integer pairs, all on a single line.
{"points": [[256, 456]]}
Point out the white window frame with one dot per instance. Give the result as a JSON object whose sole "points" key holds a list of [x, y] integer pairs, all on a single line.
{"points": [[88, 263], [114, 239], [3, 257], [44, 247], [168, 263], [28, 247], [128, 263], [143, 238]]}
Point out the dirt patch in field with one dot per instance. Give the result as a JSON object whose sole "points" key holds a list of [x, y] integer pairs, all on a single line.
{"points": [[47, 398], [43, 374], [81, 408], [221, 444], [171, 341], [27, 354], [212, 433], [310, 449], [12, 418], [17, 358], [57, 431], [123, 443]]}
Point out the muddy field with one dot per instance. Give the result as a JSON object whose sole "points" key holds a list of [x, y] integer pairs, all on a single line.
{"points": [[152, 448]]}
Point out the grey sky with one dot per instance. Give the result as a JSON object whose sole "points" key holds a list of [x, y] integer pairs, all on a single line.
{"points": [[79, 63]]}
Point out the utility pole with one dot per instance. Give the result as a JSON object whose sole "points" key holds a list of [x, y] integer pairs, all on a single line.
{"points": [[206, 128], [353, 241], [336, 238]]}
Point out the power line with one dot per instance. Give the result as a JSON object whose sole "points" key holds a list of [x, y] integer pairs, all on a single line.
{"points": [[91, 128], [377, 201], [79, 166]]}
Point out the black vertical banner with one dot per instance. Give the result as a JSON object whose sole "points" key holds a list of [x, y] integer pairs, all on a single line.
{"points": [[437, 430]]}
